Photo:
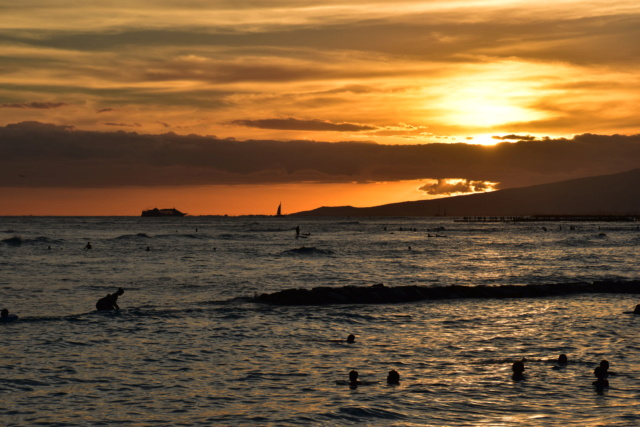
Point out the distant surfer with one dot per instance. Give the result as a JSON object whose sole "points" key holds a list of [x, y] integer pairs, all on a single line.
{"points": [[110, 301], [88, 246], [6, 317]]}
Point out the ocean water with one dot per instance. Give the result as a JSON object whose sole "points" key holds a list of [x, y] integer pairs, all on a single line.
{"points": [[191, 347]]}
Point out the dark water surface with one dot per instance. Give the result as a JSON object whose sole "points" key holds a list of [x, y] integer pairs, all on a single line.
{"points": [[189, 347]]}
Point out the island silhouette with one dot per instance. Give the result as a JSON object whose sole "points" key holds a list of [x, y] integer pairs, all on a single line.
{"points": [[613, 195]]}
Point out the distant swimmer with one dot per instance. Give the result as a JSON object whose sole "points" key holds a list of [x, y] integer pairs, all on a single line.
{"points": [[604, 365], [393, 377], [88, 246], [561, 362], [353, 379], [110, 301], [297, 231], [601, 375], [518, 371], [354, 382], [350, 339], [6, 317]]}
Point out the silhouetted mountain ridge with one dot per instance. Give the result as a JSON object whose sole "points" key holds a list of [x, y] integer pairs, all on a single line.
{"points": [[617, 194]]}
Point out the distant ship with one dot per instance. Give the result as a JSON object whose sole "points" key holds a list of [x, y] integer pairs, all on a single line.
{"points": [[162, 212]]}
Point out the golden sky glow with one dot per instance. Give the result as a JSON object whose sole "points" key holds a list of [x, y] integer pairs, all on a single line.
{"points": [[391, 72]]}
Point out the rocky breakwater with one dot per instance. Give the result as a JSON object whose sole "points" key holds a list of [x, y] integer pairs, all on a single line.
{"points": [[381, 294]]}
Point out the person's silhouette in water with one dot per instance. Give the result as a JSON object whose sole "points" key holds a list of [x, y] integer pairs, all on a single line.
{"points": [[601, 375], [353, 379], [351, 339], [110, 301], [604, 365], [393, 377], [518, 370], [88, 246]]}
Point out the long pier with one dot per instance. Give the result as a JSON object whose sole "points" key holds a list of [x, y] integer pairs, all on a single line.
{"points": [[551, 218]]}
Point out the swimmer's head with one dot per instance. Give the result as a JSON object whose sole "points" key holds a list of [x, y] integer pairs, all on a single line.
{"points": [[604, 364], [517, 367], [562, 359], [120, 291], [353, 376], [393, 377], [351, 338], [5, 313]]}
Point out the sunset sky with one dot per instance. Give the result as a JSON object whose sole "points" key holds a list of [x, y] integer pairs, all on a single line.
{"points": [[230, 107]]}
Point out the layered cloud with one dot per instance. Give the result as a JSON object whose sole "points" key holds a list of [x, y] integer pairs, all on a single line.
{"points": [[295, 124], [457, 69], [43, 155], [35, 105]]}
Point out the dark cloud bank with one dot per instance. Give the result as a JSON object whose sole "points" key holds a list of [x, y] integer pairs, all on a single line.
{"points": [[42, 155]]}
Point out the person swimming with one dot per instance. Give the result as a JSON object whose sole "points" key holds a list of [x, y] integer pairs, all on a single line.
{"points": [[393, 377], [604, 365], [88, 246], [601, 375], [350, 339], [562, 359], [110, 301], [6, 317], [353, 379], [518, 370]]}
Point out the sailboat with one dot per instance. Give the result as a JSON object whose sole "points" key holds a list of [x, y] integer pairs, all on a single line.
{"points": [[279, 212]]}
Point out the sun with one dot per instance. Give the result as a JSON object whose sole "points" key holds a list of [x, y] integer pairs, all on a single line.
{"points": [[486, 107], [492, 96]]}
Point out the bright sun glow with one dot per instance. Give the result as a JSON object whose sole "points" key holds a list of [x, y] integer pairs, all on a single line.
{"points": [[494, 96], [486, 107]]}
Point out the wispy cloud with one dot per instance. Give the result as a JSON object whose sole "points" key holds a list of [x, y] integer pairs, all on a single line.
{"points": [[35, 105], [296, 124], [456, 68]]}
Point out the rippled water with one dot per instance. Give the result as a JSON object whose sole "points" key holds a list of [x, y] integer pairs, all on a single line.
{"points": [[189, 347]]}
